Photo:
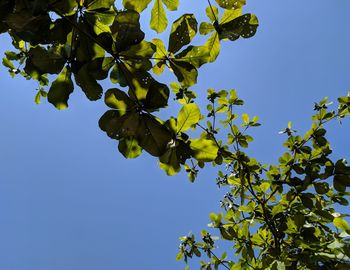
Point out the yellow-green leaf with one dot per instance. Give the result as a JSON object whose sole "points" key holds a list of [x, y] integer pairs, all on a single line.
{"points": [[129, 147], [341, 224], [117, 99], [159, 22], [171, 4], [213, 45], [60, 90], [245, 118], [204, 150], [212, 13], [188, 116]]}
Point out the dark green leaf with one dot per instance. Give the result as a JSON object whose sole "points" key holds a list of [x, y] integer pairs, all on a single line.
{"points": [[231, 4], [157, 96], [126, 30], [153, 136], [182, 32], [46, 61], [138, 5], [88, 84], [244, 26], [321, 188]]}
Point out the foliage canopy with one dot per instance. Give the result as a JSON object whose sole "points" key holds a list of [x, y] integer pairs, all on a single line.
{"points": [[280, 216]]}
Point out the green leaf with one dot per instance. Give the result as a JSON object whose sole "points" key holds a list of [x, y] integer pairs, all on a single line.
{"points": [[205, 28], [321, 188], [138, 5], [212, 13], [157, 96], [244, 26], [172, 164], [195, 55], [37, 98], [129, 147], [185, 72], [65, 7], [60, 90], [341, 181], [188, 116], [341, 167], [98, 68], [280, 265], [7, 63], [299, 220], [182, 32], [171, 4], [245, 118], [277, 209], [213, 46], [161, 53], [93, 5], [153, 136], [177, 153], [95, 21], [230, 14], [117, 99], [88, 84], [138, 55], [159, 22], [117, 125], [341, 224], [46, 61], [126, 30], [231, 4], [179, 255], [264, 186], [204, 150]]}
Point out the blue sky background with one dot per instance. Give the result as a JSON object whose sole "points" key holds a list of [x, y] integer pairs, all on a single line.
{"points": [[69, 200]]}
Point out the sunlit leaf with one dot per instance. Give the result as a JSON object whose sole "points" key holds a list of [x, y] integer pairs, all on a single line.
{"points": [[195, 55], [189, 115], [60, 90], [159, 21], [129, 147], [204, 150], [341, 224], [171, 4], [117, 99], [185, 72]]}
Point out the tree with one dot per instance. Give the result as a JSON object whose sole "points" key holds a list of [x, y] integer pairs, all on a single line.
{"points": [[92, 39]]}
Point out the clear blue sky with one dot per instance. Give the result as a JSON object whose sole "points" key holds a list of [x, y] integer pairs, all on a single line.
{"points": [[69, 200]]}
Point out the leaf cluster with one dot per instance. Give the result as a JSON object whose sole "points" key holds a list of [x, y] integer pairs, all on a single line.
{"points": [[280, 216], [277, 216], [64, 44]]}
